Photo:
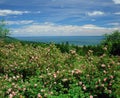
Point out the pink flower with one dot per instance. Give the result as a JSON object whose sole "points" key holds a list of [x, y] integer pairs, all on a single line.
{"points": [[84, 87], [77, 71], [54, 75], [104, 72], [105, 79], [111, 77], [91, 96], [103, 65], [10, 96], [9, 90], [13, 93], [113, 62], [42, 90], [108, 66], [39, 96], [24, 89], [80, 83], [110, 84], [110, 91], [65, 79], [102, 85], [72, 51], [105, 48]]}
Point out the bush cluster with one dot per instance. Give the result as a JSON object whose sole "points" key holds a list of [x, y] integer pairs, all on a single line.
{"points": [[35, 71]]}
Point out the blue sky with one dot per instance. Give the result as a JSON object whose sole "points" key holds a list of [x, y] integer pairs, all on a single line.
{"points": [[60, 17]]}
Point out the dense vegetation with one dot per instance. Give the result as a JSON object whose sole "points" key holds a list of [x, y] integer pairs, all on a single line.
{"points": [[37, 70]]}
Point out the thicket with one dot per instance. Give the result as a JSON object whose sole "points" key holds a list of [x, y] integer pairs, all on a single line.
{"points": [[29, 70]]}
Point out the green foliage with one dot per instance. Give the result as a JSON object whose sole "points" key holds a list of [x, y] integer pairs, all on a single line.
{"points": [[113, 38], [3, 30], [31, 70], [112, 43]]}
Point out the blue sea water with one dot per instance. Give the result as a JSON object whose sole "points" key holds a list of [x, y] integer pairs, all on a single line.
{"points": [[75, 40]]}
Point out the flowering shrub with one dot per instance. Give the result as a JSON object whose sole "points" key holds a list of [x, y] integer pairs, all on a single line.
{"points": [[28, 71]]}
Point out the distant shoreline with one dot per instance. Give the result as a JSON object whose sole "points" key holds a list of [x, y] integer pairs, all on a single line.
{"points": [[73, 40]]}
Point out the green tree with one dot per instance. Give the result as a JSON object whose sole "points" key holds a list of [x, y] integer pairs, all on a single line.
{"points": [[113, 37], [4, 31], [112, 42]]}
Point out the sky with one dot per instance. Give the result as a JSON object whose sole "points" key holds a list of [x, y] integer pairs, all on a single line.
{"points": [[60, 17]]}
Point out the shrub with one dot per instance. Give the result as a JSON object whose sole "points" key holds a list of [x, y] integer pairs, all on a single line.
{"points": [[112, 42], [28, 71]]}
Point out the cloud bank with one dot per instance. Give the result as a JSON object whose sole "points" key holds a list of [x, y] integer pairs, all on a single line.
{"points": [[50, 29]]}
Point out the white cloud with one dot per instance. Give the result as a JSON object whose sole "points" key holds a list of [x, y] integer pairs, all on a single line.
{"points": [[19, 22], [11, 12], [48, 29], [95, 13], [114, 24], [116, 1], [117, 13]]}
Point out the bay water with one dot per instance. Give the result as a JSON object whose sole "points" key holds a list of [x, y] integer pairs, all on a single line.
{"points": [[75, 40]]}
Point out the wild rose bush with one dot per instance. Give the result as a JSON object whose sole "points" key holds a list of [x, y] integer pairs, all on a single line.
{"points": [[45, 72]]}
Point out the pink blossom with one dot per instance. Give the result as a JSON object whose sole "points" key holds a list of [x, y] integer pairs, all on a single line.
{"points": [[10, 96], [39, 96], [105, 79], [111, 77], [104, 72], [103, 65], [13, 93], [102, 85], [9, 90], [110, 91], [77, 71], [110, 84], [54, 75], [24, 89], [64, 80], [72, 51], [105, 48], [91, 96], [84, 88], [80, 83]]}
